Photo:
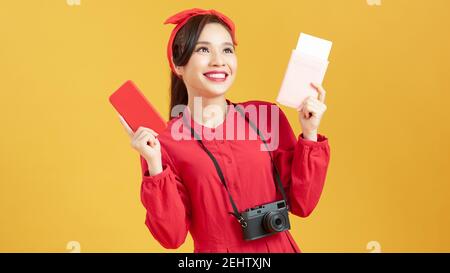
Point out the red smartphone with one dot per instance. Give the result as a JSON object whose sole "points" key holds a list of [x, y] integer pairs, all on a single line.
{"points": [[134, 107]]}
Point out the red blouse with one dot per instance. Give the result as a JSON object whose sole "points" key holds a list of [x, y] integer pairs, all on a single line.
{"points": [[189, 196]]}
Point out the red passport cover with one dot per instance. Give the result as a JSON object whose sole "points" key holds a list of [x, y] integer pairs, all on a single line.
{"points": [[134, 107]]}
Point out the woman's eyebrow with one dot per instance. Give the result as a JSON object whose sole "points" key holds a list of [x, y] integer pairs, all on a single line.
{"points": [[208, 43]]}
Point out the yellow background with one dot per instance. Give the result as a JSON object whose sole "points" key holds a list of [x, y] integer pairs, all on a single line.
{"points": [[68, 172]]}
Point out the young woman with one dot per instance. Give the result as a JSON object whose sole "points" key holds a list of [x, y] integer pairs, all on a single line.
{"points": [[202, 184]]}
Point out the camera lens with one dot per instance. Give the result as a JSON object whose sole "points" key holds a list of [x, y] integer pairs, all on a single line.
{"points": [[274, 222]]}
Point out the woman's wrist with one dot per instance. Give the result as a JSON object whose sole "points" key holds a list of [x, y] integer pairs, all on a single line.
{"points": [[154, 168], [311, 135]]}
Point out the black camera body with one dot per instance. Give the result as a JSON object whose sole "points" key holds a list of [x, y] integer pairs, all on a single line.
{"points": [[265, 220]]}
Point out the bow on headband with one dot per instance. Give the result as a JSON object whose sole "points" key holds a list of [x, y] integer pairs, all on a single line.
{"points": [[181, 18]]}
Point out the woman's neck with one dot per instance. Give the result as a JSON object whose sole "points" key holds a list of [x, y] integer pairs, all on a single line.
{"points": [[209, 112]]}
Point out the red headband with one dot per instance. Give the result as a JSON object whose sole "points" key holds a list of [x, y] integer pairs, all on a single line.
{"points": [[181, 18]]}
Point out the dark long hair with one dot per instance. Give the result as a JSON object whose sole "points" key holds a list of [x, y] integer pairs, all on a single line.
{"points": [[182, 48]]}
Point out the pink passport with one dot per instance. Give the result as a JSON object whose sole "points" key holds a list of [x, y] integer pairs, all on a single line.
{"points": [[305, 66]]}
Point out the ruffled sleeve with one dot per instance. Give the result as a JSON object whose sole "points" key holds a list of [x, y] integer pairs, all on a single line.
{"points": [[166, 200], [303, 167]]}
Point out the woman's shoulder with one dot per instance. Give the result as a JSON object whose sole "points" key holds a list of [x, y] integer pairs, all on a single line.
{"points": [[263, 109], [256, 103], [166, 134]]}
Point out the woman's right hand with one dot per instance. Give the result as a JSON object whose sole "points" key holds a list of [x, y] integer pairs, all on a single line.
{"points": [[145, 142]]}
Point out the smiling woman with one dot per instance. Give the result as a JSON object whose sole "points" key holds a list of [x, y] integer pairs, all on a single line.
{"points": [[228, 192], [201, 56], [213, 61]]}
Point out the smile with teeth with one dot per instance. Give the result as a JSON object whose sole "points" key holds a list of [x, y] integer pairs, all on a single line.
{"points": [[219, 76], [216, 76]]}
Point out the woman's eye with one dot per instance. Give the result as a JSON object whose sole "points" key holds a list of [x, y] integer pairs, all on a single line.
{"points": [[229, 50], [201, 49]]}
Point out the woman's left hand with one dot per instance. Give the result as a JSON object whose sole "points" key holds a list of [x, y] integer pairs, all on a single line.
{"points": [[311, 111]]}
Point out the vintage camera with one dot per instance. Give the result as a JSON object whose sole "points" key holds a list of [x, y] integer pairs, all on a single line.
{"points": [[265, 220]]}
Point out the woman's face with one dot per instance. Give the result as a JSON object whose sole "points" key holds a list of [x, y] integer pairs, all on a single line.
{"points": [[212, 67]]}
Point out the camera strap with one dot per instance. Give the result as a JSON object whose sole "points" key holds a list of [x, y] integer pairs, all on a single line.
{"points": [[219, 170]]}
